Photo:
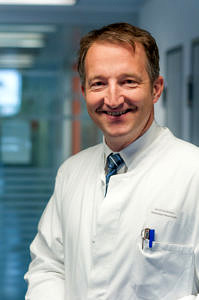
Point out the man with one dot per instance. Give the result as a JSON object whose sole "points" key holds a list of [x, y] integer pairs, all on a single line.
{"points": [[123, 222]]}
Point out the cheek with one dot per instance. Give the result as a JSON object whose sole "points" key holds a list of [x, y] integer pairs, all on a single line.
{"points": [[93, 101], [143, 98], [135, 95], [89, 101]]}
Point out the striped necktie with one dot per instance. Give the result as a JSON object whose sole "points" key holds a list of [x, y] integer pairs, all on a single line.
{"points": [[114, 163]]}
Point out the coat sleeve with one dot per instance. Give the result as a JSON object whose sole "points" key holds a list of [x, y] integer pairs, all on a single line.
{"points": [[196, 261], [46, 275], [191, 297]]}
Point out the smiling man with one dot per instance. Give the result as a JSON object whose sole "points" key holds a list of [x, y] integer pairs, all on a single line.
{"points": [[123, 222], [118, 91]]}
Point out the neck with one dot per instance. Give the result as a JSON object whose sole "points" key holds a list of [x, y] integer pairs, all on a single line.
{"points": [[119, 143]]}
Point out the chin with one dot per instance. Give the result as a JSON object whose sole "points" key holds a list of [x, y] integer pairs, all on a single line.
{"points": [[116, 134]]}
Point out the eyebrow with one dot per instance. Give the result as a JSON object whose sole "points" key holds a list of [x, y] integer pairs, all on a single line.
{"points": [[100, 77]]}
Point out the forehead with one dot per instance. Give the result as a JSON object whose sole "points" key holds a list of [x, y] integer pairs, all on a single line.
{"points": [[103, 53], [112, 44]]}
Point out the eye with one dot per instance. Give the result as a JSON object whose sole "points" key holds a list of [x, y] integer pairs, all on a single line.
{"points": [[129, 83], [97, 85]]}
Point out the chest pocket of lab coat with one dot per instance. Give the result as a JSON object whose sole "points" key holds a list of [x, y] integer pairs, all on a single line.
{"points": [[164, 271]]}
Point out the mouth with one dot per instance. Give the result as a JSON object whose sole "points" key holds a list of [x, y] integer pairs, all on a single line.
{"points": [[119, 113]]}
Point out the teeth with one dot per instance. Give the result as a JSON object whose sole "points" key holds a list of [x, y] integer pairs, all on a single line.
{"points": [[116, 113]]}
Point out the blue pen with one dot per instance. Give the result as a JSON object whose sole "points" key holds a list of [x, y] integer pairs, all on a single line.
{"points": [[151, 237]]}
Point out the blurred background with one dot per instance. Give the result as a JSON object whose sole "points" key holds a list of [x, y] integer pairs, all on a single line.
{"points": [[43, 118]]}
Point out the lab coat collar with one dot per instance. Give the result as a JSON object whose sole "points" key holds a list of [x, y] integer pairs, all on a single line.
{"points": [[135, 148]]}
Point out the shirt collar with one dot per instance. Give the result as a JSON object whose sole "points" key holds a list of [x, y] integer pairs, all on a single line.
{"points": [[135, 148]]}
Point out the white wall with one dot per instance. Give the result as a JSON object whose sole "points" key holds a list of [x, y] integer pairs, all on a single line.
{"points": [[173, 23]]}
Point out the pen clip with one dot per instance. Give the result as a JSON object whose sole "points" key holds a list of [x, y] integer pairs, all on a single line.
{"points": [[148, 234]]}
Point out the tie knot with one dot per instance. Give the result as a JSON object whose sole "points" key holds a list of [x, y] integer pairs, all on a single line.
{"points": [[114, 162]]}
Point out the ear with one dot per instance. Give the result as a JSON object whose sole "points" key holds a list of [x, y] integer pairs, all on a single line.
{"points": [[158, 86]]}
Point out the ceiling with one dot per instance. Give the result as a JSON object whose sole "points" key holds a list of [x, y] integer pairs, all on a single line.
{"points": [[84, 12], [58, 42]]}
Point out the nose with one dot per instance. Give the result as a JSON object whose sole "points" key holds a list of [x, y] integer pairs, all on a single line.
{"points": [[113, 97]]}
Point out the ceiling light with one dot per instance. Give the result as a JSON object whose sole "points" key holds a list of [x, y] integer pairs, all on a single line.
{"points": [[20, 35], [38, 2], [16, 60], [27, 28], [15, 43], [21, 40]]}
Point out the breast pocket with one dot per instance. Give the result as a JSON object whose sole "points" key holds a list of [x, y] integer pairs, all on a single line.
{"points": [[164, 271]]}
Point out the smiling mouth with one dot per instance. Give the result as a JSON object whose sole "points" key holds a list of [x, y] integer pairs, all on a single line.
{"points": [[118, 113]]}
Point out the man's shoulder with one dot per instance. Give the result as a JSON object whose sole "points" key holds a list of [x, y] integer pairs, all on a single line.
{"points": [[84, 157], [185, 147], [182, 151]]}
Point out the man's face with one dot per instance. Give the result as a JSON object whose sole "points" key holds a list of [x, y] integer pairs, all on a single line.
{"points": [[118, 92]]}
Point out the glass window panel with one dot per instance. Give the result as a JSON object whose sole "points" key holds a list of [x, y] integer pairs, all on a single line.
{"points": [[35, 137], [10, 92]]}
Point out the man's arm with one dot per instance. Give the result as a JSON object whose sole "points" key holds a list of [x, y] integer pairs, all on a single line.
{"points": [[191, 297], [45, 276], [196, 262]]}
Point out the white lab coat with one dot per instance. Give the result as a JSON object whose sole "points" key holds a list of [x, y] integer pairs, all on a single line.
{"points": [[90, 248]]}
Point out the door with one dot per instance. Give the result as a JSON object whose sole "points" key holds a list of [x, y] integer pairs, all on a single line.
{"points": [[174, 91], [194, 94]]}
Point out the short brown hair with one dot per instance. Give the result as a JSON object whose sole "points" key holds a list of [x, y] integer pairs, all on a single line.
{"points": [[121, 33]]}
